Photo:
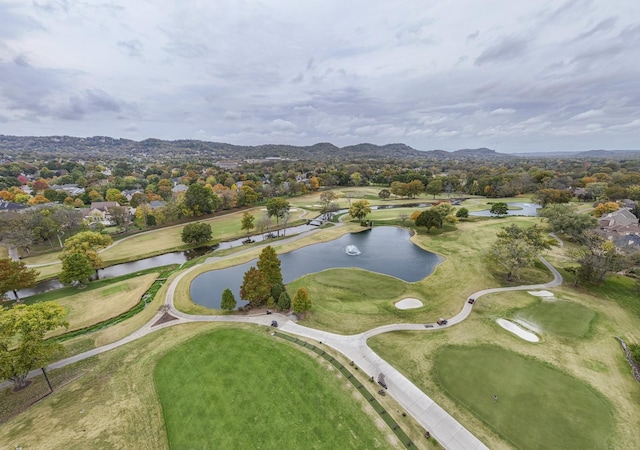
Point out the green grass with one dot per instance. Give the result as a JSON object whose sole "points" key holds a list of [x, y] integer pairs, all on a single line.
{"points": [[238, 389], [538, 407], [354, 300], [621, 290], [562, 318]]}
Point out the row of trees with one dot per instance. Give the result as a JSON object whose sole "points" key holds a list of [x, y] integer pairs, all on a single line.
{"points": [[263, 286], [518, 247]]}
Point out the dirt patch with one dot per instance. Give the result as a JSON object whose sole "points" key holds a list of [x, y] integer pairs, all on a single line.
{"points": [[166, 317]]}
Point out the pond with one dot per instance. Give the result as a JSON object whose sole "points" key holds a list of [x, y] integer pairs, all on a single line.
{"points": [[386, 250], [155, 261], [523, 209]]}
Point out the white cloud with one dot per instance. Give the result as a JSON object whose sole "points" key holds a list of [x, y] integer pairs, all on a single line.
{"points": [[305, 72]]}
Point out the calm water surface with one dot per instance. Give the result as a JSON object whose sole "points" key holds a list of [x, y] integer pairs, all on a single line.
{"points": [[528, 209], [386, 250]]}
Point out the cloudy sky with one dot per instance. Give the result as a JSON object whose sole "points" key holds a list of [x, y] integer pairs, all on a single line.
{"points": [[509, 75]]}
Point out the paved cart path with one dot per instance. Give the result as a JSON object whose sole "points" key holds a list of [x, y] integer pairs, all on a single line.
{"points": [[447, 430]]}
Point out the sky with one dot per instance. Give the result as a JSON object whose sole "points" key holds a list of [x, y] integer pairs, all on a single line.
{"points": [[509, 75]]}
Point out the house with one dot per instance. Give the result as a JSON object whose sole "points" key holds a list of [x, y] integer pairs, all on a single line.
{"points": [[178, 188], [129, 193], [620, 222], [10, 206], [155, 204], [99, 212], [622, 228], [72, 189]]}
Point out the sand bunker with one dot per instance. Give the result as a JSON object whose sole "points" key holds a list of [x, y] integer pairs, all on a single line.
{"points": [[517, 330], [541, 293], [408, 303], [528, 325]]}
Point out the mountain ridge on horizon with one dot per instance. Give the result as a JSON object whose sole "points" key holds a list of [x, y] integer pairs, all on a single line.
{"points": [[97, 144]]}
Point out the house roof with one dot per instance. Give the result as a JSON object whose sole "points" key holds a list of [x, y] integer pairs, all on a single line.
{"points": [[618, 220], [103, 206], [157, 204], [180, 188], [10, 206]]}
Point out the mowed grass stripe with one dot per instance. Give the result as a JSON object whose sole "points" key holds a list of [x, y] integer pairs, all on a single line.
{"points": [[365, 393], [239, 389], [538, 407]]}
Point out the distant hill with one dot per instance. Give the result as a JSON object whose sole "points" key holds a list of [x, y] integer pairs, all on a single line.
{"points": [[103, 146], [589, 154]]}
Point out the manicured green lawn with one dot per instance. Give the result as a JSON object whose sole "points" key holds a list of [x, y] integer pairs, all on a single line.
{"points": [[538, 406], [237, 389], [566, 319], [354, 300]]}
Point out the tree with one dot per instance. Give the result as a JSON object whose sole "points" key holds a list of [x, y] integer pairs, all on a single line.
{"points": [[22, 344], [228, 300], [87, 243], [595, 191], [462, 213], [398, 188], [255, 287], [278, 207], [563, 219], [545, 197], [263, 224], [517, 248], [360, 209], [199, 200], [269, 265], [428, 218], [15, 231], [414, 188], [384, 194], [328, 206], [76, 269], [121, 216], [284, 301], [301, 302], [247, 222], [499, 209], [434, 187], [247, 196], [196, 233], [596, 257], [15, 275], [605, 208], [443, 210]]}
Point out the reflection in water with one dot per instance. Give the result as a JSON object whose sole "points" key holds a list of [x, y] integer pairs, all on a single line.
{"points": [[523, 209]]}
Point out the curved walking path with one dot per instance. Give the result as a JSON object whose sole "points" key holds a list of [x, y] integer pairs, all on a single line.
{"points": [[445, 429]]}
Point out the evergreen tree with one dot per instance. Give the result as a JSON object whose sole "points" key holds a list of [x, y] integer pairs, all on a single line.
{"points": [[228, 300], [301, 302], [269, 265], [284, 301]]}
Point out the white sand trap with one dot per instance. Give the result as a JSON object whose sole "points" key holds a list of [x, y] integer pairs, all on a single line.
{"points": [[517, 330], [408, 303], [541, 293], [528, 325]]}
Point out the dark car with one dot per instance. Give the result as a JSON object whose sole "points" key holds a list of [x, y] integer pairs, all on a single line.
{"points": [[442, 321], [472, 300], [274, 323]]}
